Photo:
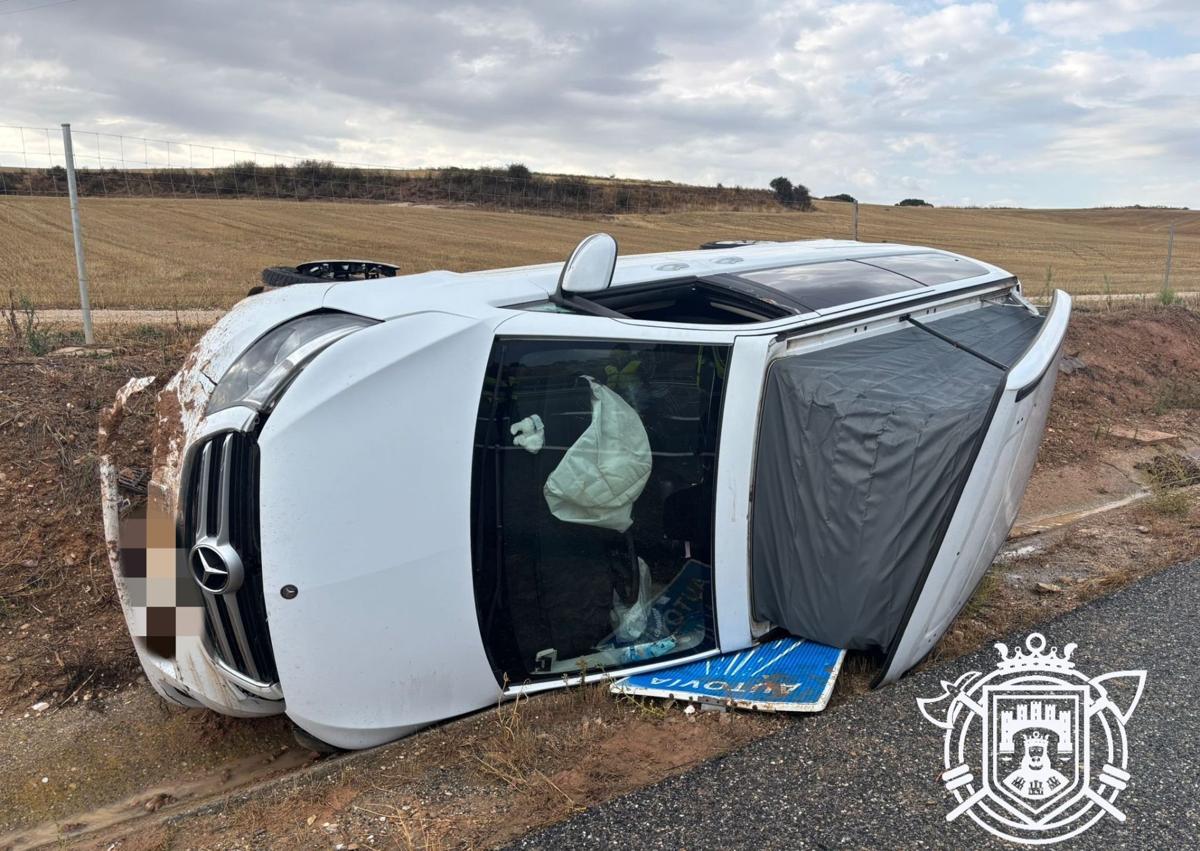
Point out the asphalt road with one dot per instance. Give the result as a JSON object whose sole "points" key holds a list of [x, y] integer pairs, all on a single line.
{"points": [[866, 774]]}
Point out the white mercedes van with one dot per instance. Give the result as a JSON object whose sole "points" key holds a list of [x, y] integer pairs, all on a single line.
{"points": [[377, 504]]}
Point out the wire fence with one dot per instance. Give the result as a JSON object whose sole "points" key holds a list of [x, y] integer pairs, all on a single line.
{"points": [[232, 212], [32, 163]]}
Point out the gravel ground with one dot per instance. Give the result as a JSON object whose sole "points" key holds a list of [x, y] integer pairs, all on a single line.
{"points": [[866, 775]]}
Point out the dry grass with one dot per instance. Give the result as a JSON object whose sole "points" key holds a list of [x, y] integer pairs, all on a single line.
{"points": [[1173, 503], [197, 253], [1173, 477]]}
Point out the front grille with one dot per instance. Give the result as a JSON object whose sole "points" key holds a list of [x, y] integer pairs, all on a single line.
{"points": [[221, 506]]}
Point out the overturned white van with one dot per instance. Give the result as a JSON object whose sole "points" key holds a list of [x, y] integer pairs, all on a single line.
{"points": [[377, 504]]}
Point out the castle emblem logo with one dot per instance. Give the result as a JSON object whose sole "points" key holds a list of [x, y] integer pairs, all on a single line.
{"points": [[1035, 751]]}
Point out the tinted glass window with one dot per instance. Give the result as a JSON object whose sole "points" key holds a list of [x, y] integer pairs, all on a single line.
{"points": [[929, 269], [593, 504], [821, 285]]}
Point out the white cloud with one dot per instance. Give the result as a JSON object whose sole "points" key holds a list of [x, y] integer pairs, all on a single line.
{"points": [[1091, 19], [871, 97]]}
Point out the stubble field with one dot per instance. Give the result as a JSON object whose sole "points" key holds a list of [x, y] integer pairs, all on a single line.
{"points": [[205, 254]]}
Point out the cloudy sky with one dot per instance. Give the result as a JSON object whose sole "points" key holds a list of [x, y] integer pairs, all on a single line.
{"points": [[1046, 103]]}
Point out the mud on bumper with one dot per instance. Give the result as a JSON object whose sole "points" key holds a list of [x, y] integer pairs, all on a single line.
{"points": [[165, 610]]}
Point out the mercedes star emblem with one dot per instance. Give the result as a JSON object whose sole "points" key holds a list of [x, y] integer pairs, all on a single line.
{"points": [[216, 567]]}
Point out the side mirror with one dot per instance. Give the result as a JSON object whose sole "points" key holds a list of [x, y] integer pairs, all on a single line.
{"points": [[590, 267]]}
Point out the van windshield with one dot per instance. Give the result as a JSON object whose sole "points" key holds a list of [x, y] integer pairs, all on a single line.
{"points": [[593, 504]]}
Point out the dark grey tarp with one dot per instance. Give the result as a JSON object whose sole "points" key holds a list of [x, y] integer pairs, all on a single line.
{"points": [[1001, 332], [862, 449]]}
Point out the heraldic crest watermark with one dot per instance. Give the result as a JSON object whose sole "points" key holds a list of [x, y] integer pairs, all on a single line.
{"points": [[1035, 750]]}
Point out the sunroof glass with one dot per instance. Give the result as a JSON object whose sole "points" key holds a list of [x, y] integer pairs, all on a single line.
{"points": [[821, 285], [930, 268]]}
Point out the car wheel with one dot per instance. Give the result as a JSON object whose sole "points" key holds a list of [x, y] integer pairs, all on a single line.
{"points": [[310, 742]]}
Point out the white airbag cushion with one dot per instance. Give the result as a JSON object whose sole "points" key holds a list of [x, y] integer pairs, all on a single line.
{"points": [[605, 470]]}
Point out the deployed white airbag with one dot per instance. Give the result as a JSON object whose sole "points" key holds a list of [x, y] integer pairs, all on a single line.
{"points": [[605, 470]]}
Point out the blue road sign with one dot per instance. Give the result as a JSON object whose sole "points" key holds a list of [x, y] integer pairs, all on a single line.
{"points": [[785, 675]]}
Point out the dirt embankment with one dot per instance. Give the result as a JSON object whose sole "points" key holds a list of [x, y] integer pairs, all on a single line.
{"points": [[1130, 367], [102, 740], [78, 725], [60, 624]]}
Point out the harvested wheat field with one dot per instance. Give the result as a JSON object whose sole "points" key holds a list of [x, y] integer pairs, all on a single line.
{"points": [[201, 253]]}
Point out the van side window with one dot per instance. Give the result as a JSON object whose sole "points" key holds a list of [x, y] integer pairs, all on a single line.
{"points": [[592, 498]]}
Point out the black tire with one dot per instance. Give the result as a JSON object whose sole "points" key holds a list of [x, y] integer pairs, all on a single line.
{"points": [[310, 742], [285, 276]]}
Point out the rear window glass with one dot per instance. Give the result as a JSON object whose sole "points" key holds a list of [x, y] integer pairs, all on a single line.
{"points": [[930, 268], [822, 285]]}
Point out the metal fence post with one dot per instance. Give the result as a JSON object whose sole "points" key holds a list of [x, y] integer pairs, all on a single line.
{"points": [[856, 221], [1167, 273], [73, 188]]}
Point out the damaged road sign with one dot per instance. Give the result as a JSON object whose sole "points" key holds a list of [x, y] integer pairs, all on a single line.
{"points": [[785, 675]]}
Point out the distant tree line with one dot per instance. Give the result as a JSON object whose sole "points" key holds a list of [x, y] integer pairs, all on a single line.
{"points": [[850, 199], [511, 187], [514, 186]]}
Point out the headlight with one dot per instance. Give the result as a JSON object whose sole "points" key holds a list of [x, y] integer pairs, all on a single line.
{"points": [[264, 369]]}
